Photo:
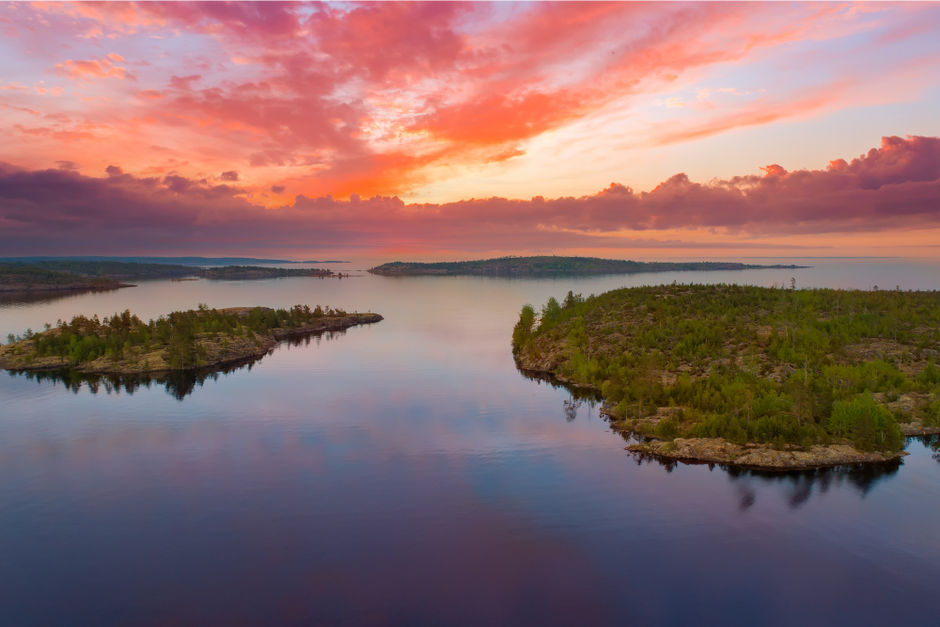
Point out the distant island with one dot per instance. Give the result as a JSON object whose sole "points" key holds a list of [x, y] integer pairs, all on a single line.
{"points": [[15, 277], [183, 340], [179, 261], [548, 266], [747, 376], [233, 273], [89, 274]]}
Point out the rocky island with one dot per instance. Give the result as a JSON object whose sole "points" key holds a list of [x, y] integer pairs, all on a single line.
{"points": [[753, 377], [549, 266], [183, 340]]}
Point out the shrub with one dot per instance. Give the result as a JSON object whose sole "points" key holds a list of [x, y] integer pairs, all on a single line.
{"points": [[868, 425], [667, 429]]}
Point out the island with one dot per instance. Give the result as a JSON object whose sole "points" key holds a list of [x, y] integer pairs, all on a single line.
{"points": [[552, 266], [123, 344], [15, 277], [233, 273], [776, 379]]}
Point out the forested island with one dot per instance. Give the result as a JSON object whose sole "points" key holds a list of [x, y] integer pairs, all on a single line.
{"points": [[180, 341], [232, 273], [748, 376], [549, 266]]}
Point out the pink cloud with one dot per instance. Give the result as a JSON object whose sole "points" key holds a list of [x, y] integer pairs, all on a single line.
{"points": [[381, 98], [106, 67]]}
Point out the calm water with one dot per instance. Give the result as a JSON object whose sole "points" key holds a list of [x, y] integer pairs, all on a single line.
{"points": [[406, 473]]}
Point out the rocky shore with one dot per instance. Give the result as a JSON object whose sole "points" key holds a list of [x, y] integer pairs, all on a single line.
{"points": [[756, 456], [720, 451]]}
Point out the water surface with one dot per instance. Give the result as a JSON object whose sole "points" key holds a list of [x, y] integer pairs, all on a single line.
{"points": [[406, 473]]}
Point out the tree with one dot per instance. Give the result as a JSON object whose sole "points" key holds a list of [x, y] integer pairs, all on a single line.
{"points": [[870, 426], [571, 299], [523, 329], [551, 312]]}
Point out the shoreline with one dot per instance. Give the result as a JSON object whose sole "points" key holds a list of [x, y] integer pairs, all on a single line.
{"points": [[781, 379], [751, 455], [74, 288], [558, 267], [757, 456]]}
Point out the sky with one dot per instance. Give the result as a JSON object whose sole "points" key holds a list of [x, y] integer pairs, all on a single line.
{"points": [[459, 130]]}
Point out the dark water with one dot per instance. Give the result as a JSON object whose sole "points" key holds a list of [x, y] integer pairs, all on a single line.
{"points": [[405, 473]]}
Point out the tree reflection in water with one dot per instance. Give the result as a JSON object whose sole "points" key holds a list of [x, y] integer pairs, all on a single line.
{"points": [[178, 383], [800, 484], [932, 442]]}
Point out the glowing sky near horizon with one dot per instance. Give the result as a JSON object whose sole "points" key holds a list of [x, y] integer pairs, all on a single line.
{"points": [[234, 127]]}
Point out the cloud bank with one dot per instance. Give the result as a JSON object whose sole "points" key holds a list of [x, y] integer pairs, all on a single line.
{"points": [[895, 186]]}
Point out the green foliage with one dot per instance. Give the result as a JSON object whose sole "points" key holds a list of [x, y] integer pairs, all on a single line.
{"points": [[667, 429], [85, 339], [870, 426], [929, 376], [747, 363], [572, 299], [871, 375], [933, 411], [551, 312], [523, 329]]}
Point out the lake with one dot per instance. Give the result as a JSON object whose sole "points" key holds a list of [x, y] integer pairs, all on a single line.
{"points": [[405, 473]]}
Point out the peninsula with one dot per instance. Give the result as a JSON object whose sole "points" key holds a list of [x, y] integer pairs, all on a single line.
{"points": [[179, 261], [747, 376], [549, 266], [15, 277], [183, 340], [94, 274]]}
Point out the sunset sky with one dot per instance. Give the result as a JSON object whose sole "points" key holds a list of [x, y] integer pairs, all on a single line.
{"points": [[457, 130]]}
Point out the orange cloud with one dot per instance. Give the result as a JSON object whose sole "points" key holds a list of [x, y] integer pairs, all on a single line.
{"points": [[106, 67]]}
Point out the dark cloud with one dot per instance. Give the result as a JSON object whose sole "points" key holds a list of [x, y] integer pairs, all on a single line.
{"points": [[896, 185]]}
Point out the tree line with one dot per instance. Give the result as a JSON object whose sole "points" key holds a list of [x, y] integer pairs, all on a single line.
{"points": [[85, 339]]}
